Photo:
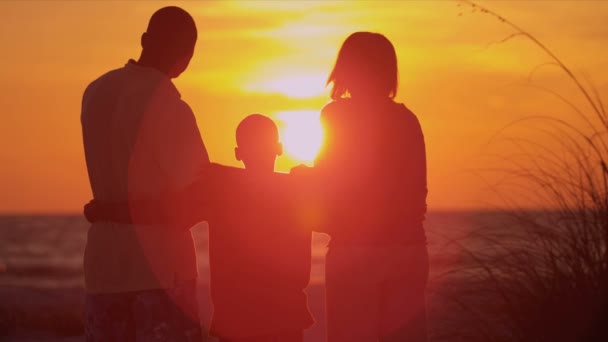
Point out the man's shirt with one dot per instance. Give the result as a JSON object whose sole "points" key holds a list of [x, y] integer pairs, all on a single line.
{"points": [[141, 142]]}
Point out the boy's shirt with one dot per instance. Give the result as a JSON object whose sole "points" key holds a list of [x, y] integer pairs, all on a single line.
{"points": [[260, 258]]}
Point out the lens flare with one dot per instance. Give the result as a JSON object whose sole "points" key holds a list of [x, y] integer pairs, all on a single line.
{"points": [[301, 134]]}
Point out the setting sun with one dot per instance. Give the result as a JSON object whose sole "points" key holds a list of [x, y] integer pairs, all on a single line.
{"points": [[301, 134]]}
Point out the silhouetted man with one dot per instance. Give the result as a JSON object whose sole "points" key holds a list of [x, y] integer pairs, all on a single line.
{"points": [[141, 142]]}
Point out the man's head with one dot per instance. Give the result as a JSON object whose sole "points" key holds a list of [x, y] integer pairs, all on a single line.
{"points": [[168, 43], [257, 140]]}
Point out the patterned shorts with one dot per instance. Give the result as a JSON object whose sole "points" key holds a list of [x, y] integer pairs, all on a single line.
{"points": [[169, 315]]}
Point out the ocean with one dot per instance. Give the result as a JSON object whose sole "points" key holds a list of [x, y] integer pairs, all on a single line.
{"points": [[41, 276], [46, 251]]}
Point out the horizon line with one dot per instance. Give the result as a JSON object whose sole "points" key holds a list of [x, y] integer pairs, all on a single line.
{"points": [[436, 210]]}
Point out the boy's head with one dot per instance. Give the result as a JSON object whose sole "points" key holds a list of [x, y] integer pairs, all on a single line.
{"points": [[257, 140]]}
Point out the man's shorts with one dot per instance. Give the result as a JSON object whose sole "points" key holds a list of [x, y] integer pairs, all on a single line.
{"points": [[152, 315]]}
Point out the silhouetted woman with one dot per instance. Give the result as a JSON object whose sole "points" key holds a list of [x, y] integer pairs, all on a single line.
{"points": [[373, 169]]}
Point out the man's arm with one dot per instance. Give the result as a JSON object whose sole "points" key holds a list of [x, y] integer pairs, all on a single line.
{"points": [[200, 188], [170, 146], [196, 187], [180, 150], [217, 191]]}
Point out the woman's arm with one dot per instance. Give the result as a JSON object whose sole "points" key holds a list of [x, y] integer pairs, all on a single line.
{"points": [[328, 125], [416, 180]]}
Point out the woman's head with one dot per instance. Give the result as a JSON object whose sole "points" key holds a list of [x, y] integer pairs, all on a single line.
{"points": [[366, 66]]}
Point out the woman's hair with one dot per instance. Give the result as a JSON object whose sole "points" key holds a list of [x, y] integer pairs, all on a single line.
{"points": [[366, 62]]}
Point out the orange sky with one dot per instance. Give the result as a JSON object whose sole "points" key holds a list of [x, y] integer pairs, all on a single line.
{"points": [[272, 57]]}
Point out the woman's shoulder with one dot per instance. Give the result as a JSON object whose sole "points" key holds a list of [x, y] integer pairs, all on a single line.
{"points": [[342, 107], [349, 107], [403, 110], [337, 112], [336, 107], [408, 117]]}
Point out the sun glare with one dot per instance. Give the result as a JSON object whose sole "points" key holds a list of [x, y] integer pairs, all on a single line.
{"points": [[294, 86], [301, 134]]}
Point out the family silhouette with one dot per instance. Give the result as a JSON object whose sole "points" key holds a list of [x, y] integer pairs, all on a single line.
{"points": [[152, 180]]}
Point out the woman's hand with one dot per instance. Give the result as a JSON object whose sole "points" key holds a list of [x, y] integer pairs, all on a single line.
{"points": [[300, 170]]}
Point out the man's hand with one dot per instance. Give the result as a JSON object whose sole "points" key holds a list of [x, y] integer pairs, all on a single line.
{"points": [[96, 211], [91, 211]]}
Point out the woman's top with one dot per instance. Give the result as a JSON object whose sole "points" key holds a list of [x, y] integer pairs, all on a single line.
{"points": [[371, 173]]}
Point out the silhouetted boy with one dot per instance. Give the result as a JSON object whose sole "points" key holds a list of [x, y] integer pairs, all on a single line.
{"points": [[259, 241], [259, 255]]}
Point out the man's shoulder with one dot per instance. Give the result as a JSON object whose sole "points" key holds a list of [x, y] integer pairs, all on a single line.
{"points": [[154, 86], [111, 75], [106, 78]]}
